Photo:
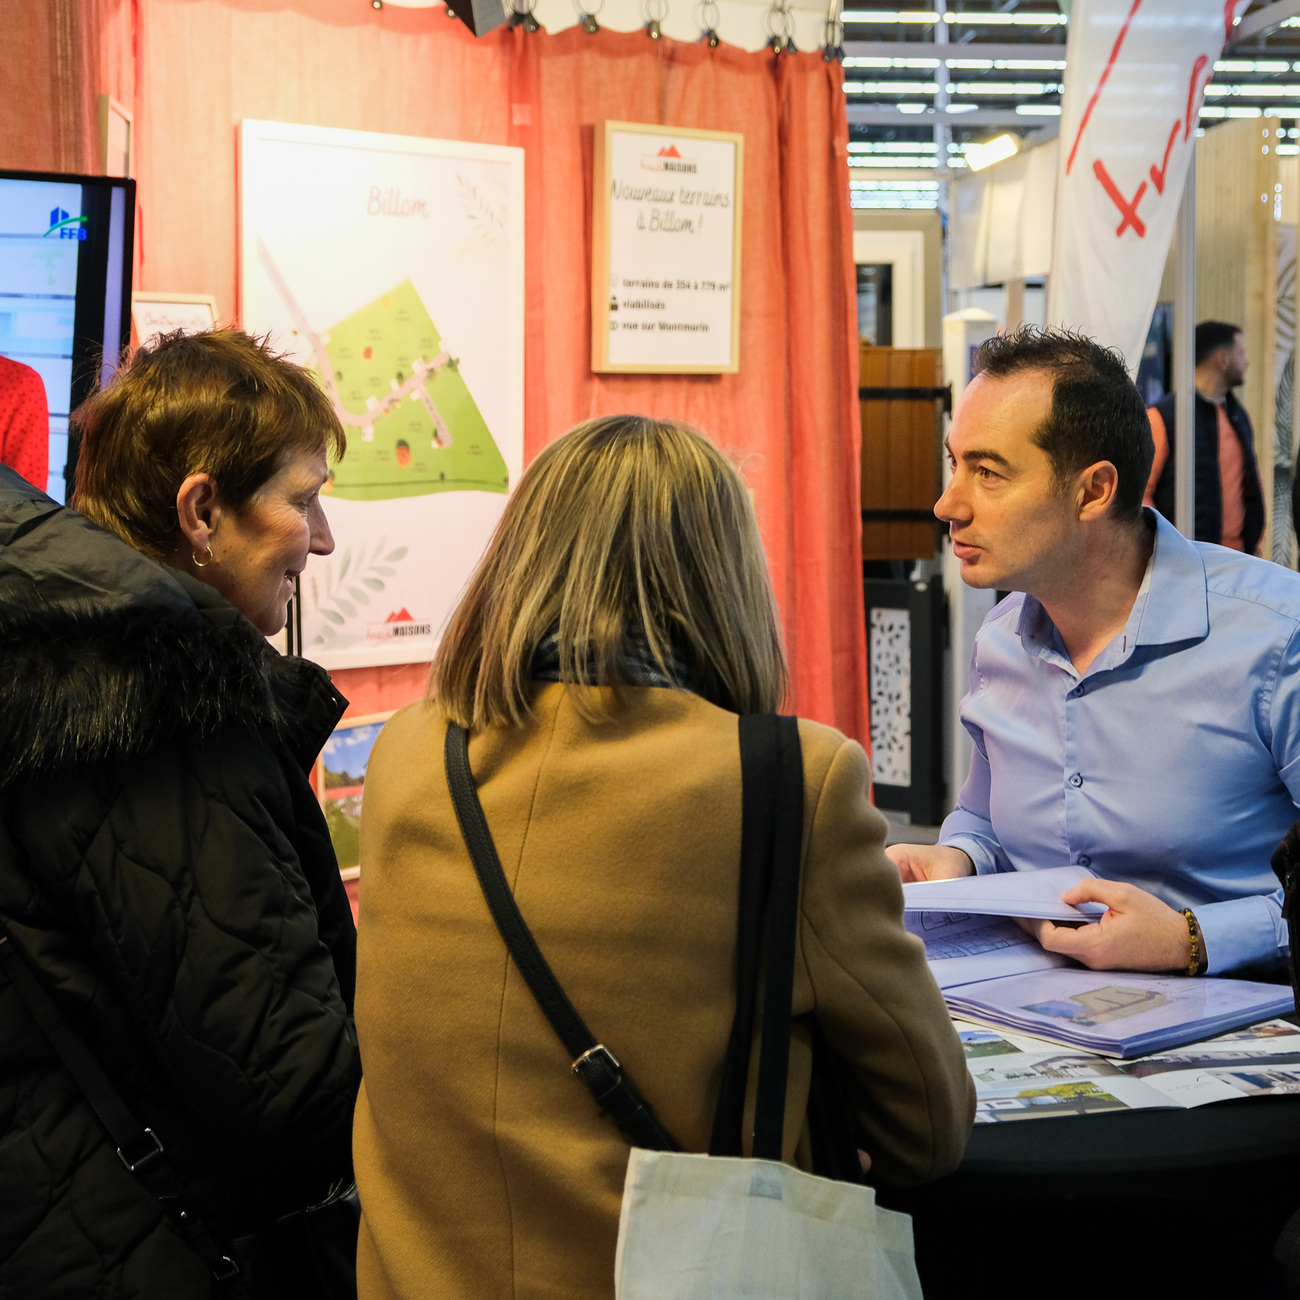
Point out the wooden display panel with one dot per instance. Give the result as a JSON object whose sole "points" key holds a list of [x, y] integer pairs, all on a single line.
{"points": [[665, 282], [1237, 213], [900, 452]]}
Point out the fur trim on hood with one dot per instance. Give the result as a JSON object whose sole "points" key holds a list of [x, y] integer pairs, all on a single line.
{"points": [[105, 654], [87, 685]]}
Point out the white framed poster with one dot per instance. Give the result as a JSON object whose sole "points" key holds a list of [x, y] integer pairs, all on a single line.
{"points": [[665, 283], [393, 267], [155, 313]]}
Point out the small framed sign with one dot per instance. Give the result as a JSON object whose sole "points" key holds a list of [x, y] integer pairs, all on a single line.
{"points": [[160, 313], [665, 281]]}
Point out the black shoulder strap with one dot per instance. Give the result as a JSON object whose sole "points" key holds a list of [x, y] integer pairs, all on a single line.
{"points": [[593, 1063], [138, 1148], [771, 763], [782, 928]]}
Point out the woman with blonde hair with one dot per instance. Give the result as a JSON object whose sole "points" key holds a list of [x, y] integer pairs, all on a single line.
{"points": [[619, 623]]}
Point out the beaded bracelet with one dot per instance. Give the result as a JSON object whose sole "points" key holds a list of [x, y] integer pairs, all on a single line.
{"points": [[1194, 966]]}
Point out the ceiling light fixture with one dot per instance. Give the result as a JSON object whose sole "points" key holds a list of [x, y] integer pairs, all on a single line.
{"points": [[979, 156]]}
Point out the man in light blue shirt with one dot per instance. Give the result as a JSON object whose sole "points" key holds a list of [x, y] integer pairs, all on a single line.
{"points": [[1135, 705]]}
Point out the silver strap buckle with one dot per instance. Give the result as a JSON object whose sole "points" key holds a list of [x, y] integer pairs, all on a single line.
{"points": [[600, 1051], [135, 1164]]}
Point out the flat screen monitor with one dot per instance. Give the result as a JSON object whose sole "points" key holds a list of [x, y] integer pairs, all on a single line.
{"points": [[65, 288]]}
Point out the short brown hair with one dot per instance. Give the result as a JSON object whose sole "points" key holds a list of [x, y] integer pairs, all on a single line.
{"points": [[220, 403], [625, 528], [1096, 413]]}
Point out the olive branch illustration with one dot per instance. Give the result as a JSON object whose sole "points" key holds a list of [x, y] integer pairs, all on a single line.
{"points": [[338, 593], [489, 221]]}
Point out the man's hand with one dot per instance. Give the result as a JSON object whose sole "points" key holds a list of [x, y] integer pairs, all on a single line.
{"points": [[1138, 933], [929, 862]]}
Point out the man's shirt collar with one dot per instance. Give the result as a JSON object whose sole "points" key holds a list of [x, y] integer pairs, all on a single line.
{"points": [[1171, 605], [1176, 608]]}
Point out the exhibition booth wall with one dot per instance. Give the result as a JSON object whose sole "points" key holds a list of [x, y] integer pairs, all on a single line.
{"points": [[189, 71]]}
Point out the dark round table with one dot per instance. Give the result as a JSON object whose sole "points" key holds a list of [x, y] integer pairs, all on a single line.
{"points": [[1144, 1204]]}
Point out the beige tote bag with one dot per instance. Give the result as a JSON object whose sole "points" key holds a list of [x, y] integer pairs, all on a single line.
{"points": [[698, 1227]]}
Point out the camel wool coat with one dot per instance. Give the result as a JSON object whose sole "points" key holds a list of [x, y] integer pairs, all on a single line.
{"points": [[484, 1168]]}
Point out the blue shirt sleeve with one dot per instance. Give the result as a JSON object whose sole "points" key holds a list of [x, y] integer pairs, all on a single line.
{"points": [[968, 826], [1242, 931]]}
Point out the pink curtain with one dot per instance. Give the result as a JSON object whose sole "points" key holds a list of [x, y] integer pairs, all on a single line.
{"points": [[194, 68]]}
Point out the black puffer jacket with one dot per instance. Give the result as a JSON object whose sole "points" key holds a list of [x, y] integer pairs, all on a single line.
{"points": [[166, 870]]}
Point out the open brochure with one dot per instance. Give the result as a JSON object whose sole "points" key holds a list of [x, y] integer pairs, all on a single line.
{"points": [[1019, 1078], [993, 972], [1117, 1014], [1035, 894]]}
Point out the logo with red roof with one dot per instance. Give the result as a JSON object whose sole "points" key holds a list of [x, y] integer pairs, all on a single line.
{"points": [[400, 623], [668, 159]]}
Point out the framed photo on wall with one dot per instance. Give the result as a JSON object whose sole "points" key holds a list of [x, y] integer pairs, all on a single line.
{"points": [[341, 783], [665, 281]]}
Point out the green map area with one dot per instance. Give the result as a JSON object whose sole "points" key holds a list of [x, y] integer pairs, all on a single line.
{"points": [[413, 428]]}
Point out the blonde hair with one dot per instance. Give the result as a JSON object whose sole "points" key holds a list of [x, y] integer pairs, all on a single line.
{"points": [[626, 527]]}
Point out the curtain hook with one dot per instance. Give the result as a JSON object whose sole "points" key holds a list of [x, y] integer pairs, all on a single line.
{"points": [[522, 15], [587, 16], [654, 12], [709, 23], [780, 27], [833, 47]]}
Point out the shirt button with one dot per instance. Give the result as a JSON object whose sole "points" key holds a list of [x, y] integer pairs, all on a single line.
{"points": [[1076, 780], [1084, 860], [1081, 689]]}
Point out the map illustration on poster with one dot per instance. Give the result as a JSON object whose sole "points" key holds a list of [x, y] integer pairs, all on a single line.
{"points": [[392, 267]]}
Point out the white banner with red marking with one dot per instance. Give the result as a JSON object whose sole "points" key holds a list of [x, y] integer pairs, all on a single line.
{"points": [[1136, 72]]}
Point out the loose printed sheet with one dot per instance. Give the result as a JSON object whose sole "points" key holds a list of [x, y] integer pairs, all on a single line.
{"points": [[1018, 1077]]}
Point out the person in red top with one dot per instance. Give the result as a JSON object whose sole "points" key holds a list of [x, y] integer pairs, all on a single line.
{"points": [[24, 423], [1229, 495]]}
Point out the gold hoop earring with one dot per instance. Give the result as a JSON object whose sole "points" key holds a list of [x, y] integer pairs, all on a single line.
{"points": [[202, 564]]}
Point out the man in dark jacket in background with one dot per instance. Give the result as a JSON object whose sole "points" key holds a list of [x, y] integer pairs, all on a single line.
{"points": [[1229, 495]]}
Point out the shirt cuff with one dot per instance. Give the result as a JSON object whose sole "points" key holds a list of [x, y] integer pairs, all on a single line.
{"points": [[977, 849], [1241, 932]]}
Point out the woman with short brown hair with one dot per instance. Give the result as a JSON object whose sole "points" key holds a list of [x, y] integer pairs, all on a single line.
{"points": [[619, 622], [165, 870]]}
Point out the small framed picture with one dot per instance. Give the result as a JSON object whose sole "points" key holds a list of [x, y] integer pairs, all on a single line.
{"points": [[115, 128], [154, 313], [341, 783]]}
